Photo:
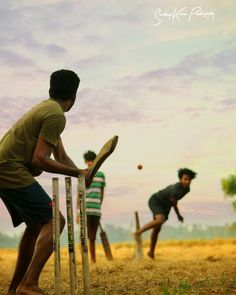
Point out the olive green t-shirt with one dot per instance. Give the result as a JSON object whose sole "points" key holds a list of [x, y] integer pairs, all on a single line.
{"points": [[46, 120]]}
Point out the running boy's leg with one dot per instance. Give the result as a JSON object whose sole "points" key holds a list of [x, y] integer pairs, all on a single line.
{"points": [[154, 237], [158, 221], [156, 225]]}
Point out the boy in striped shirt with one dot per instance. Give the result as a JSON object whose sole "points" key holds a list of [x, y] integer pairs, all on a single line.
{"points": [[94, 198]]}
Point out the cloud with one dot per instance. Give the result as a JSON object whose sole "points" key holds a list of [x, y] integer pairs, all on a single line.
{"points": [[104, 106], [193, 109], [14, 28], [17, 31], [192, 67], [126, 17], [206, 208], [227, 105], [196, 83], [12, 109], [39, 3], [225, 60], [54, 49], [194, 112], [12, 59], [93, 61], [229, 102], [130, 99], [92, 38], [93, 107], [118, 191]]}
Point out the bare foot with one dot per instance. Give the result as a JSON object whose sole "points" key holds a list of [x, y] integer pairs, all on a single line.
{"points": [[151, 255], [26, 290]]}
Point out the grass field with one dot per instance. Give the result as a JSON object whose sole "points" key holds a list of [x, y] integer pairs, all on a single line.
{"points": [[188, 267]]}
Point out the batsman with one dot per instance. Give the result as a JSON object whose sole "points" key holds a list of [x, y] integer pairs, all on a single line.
{"points": [[25, 152]]}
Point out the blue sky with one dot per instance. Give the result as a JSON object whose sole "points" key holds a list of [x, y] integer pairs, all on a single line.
{"points": [[168, 91]]}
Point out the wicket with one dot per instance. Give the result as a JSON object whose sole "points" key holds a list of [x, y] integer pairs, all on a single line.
{"points": [[138, 248], [71, 239], [83, 234], [56, 235]]}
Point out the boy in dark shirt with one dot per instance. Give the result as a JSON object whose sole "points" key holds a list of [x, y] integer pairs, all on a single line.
{"points": [[161, 203]]}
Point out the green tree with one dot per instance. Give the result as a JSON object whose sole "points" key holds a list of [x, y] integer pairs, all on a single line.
{"points": [[229, 187]]}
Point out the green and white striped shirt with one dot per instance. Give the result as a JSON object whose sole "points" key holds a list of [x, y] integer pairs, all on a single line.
{"points": [[94, 195]]}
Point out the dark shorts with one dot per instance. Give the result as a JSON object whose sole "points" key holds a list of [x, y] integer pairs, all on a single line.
{"points": [[92, 225], [30, 204], [157, 207]]}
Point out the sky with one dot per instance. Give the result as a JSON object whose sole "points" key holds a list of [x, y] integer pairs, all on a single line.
{"points": [[160, 74]]}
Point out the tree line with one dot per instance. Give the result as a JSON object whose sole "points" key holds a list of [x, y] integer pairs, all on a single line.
{"points": [[119, 234]]}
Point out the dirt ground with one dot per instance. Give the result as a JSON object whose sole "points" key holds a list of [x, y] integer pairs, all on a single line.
{"points": [[188, 267]]}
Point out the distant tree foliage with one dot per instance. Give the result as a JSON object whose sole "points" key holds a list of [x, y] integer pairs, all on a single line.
{"points": [[229, 187], [118, 234], [9, 241]]}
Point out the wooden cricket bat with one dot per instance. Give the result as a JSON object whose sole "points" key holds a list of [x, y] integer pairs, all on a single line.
{"points": [[105, 243], [104, 153]]}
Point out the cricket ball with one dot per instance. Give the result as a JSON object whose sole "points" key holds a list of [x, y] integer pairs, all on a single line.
{"points": [[140, 167]]}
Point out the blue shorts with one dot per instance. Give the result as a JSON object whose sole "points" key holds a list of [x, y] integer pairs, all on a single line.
{"points": [[30, 204]]}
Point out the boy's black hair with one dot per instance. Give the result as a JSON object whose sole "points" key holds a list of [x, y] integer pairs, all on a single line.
{"points": [[63, 84], [89, 156], [186, 171]]}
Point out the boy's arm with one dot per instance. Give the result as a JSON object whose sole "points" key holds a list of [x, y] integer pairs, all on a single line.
{"points": [[41, 159], [102, 189], [102, 194], [174, 204]]}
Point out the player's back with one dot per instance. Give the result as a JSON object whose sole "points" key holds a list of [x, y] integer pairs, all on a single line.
{"points": [[17, 145]]}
